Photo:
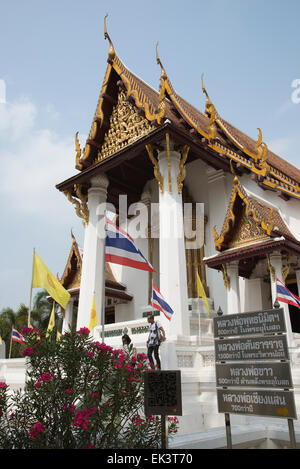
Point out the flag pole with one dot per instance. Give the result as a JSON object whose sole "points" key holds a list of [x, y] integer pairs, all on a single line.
{"points": [[10, 342], [30, 299], [199, 321], [103, 286]]}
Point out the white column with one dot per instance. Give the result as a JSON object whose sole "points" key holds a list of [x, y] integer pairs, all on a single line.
{"points": [[67, 322], [172, 262], [93, 255], [233, 294], [276, 263], [217, 207]]}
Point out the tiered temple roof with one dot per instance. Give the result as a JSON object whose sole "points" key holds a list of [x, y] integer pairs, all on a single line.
{"points": [[142, 115], [251, 230]]}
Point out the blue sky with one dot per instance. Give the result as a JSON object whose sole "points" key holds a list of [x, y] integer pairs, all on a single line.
{"points": [[52, 61]]}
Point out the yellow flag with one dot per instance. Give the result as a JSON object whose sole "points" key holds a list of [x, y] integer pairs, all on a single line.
{"points": [[42, 277], [93, 318], [201, 292], [51, 322]]}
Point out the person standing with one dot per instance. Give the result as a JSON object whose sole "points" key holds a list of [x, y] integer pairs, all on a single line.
{"points": [[156, 336], [128, 346]]}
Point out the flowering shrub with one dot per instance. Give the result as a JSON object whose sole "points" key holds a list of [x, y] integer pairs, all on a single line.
{"points": [[78, 394]]}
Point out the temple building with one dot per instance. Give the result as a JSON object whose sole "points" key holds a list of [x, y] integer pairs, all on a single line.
{"points": [[151, 150]]}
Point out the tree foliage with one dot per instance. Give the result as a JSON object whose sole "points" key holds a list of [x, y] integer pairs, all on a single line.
{"points": [[39, 318]]}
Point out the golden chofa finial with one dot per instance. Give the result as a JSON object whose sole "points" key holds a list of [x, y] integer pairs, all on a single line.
{"points": [[111, 52], [78, 165], [163, 72], [210, 111], [162, 89], [203, 87], [209, 105]]}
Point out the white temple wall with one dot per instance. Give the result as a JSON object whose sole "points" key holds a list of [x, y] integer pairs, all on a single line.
{"points": [[251, 294], [212, 188]]}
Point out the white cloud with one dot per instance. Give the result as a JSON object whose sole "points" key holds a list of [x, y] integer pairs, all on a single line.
{"points": [[16, 120], [2, 92], [33, 160]]}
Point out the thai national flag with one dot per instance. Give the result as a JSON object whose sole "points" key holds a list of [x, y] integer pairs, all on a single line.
{"points": [[160, 303], [17, 337], [285, 296], [120, 249]]}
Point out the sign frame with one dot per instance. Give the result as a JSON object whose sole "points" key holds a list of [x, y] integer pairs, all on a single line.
{"points": [[251, 323]]}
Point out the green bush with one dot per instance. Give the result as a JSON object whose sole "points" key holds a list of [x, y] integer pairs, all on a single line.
{"points": [[78, 394]]}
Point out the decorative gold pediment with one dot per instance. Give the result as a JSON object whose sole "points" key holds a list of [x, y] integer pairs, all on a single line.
{"points": [[246, 231], [253, 222], [126, 126]]}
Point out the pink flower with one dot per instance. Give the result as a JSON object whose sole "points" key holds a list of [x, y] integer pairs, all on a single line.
{"points": [[3, 385], [29, 330], [142, 356], [90, 446], [69, 391], [72, 408], [45, 377], [83, 331], [36, 430], [28, 351]]}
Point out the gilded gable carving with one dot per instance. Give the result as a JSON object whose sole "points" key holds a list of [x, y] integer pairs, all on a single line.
{"points": [[126, 126], [247, 230]]}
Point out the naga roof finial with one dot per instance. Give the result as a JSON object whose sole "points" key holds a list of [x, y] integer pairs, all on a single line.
{"points": [[162, 89], [111, 52], [163, 72], [210, 111]]}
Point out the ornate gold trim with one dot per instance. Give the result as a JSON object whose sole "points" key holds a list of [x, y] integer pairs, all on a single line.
{"points": [[257, 164], [78, 165], [286, 269], [111, 52], [133, 89], [271, 268], [169, 162], [68, 267], [269, 225], [211, 113], [81, 207], [126, 126], [250, 210], [157, 173], [182, 170], [226, 277], [162, 88]]}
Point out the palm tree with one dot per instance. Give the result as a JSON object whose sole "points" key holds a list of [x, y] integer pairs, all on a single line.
{"points": [[41, 311]]}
